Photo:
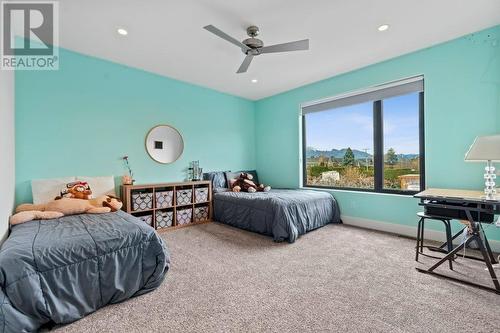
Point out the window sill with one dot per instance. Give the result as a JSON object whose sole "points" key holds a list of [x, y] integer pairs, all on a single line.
{"points": [[361, 191]]}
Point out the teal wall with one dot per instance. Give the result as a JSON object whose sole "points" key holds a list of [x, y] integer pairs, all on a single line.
{"points": [[81, 119], [462, 94]]}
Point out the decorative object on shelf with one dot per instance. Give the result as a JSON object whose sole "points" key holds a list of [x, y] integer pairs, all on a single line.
{"points": [[486, 149], [164, 144], [127, 179], [195, 172], [169, 206]]}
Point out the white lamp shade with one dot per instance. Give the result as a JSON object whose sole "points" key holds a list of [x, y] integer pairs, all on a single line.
{"points": [[484, 148]]}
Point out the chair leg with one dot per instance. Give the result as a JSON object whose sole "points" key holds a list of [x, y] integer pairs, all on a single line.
{"points": [[449, 240], [422, 236], [417, 248]]}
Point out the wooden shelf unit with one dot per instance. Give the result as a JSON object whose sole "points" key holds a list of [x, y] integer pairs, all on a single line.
{"points": [[128, 190]]}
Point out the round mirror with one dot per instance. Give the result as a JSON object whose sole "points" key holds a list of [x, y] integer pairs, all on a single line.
{"points": [[164, 144]]}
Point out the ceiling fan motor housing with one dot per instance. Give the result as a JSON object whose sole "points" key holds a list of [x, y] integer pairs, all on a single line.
{"points": [[252, 42]]}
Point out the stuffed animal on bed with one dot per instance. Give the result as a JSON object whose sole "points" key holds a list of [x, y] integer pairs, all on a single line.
{"points": [[245, 183], [65, 206], [76, 190]]}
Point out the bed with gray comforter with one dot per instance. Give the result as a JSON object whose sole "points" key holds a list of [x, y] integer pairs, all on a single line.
{"points": [[57, 271], [282, 214]]}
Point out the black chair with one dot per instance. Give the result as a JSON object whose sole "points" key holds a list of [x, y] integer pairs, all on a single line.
{"points": [[445, 247]]}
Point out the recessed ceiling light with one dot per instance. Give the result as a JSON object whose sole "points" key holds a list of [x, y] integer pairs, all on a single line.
{"points": [[122, 31], [383, 27], [254, 80]]}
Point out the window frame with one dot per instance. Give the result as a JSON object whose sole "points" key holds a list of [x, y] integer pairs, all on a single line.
{"points": [[378, 155]]}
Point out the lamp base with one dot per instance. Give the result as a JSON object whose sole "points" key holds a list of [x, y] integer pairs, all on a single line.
{"points": [[490, 189], [491, 197]]}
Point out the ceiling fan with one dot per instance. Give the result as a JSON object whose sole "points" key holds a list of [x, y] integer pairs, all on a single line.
{"points": [[252, 46]]}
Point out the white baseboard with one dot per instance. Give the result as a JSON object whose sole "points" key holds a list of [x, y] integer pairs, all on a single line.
{"points": [[405, 230]]}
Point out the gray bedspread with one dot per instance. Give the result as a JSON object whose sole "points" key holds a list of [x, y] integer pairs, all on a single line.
{"points": [[57, 271], [282, 214]]}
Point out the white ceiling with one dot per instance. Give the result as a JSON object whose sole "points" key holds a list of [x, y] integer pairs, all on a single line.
{"points": [[166, 36]]}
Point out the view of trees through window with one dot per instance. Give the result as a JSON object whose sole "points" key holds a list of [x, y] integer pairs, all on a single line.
{"points": [[401, 142], [340, 145]]}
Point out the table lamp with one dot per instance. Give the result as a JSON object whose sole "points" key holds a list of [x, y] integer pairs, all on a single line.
{"points": [[486, 149]]}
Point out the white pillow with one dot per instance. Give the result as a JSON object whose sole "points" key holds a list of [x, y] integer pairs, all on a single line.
{"points": [[45, 190], [100, 185]]}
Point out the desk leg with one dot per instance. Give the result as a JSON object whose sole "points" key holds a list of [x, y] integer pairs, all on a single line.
{"points": [[451, 254], [488, 264], [475, 236], [488, 248]]}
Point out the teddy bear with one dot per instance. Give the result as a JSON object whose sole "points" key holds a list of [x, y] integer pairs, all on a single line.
{"points": [[245, 183], [65, 206], [76, 190]]}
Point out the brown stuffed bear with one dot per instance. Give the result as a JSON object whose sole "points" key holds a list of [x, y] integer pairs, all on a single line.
{"points": [[65, 206], [245, 183]]}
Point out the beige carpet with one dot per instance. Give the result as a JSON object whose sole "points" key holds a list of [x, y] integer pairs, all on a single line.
{"points": [[336, 279]]}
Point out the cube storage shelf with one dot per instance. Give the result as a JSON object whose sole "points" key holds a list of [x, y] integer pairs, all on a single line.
{"points": [[168, 206]]}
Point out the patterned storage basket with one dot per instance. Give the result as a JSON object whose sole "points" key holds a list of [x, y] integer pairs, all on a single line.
{"points": [[142, 200], [148, 219], [201, 194], [200, 214], [184, 196], [164, 219], [164, 199], [184, 216]]}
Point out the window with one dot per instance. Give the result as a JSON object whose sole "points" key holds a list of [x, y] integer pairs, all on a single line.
{"points": [[367, 141]]}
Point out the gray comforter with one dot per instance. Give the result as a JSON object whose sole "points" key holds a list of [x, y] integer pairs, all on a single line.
{"points": [[57, 271], [283, 214]]}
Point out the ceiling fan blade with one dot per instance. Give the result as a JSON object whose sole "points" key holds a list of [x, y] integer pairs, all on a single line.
{"points": [[244, 65], [285, 47], [225, 36]]}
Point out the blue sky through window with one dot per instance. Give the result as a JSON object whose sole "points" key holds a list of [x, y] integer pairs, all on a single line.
{"points": [[352, 126]]}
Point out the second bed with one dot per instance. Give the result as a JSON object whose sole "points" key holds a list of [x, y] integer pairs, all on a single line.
{"points": [[282, 214]]}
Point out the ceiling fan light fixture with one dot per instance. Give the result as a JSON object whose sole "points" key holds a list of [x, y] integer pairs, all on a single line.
{"points": [[255, 80], [383, 27], [122, 31]]}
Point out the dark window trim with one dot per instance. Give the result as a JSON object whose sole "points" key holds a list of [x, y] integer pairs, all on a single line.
{"points": [[421, 130], [378, 156], [378, 145]]}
